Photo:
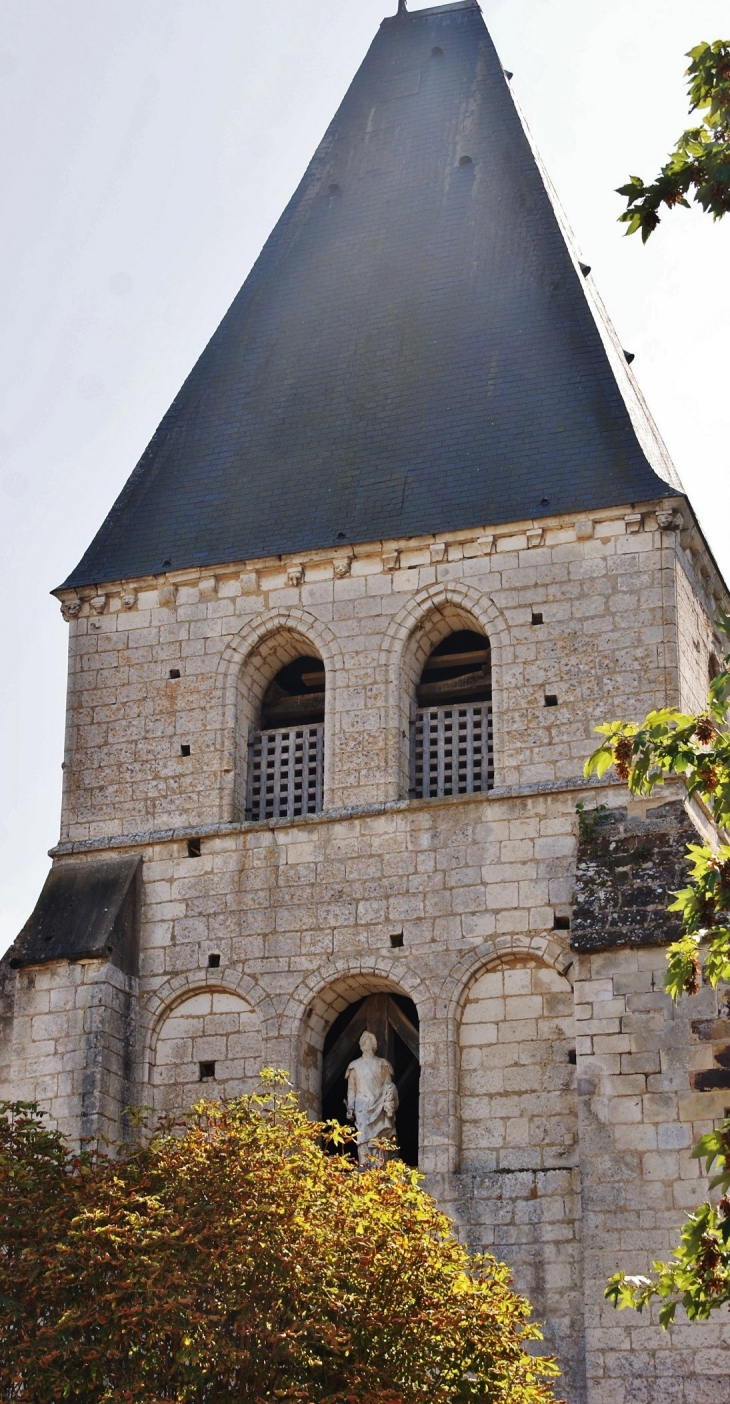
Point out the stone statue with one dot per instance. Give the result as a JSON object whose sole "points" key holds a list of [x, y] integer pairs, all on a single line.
{"points": [[372, 1098]]}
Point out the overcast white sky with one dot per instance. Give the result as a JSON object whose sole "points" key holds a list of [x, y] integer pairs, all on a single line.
{"points": [[147, 148]]}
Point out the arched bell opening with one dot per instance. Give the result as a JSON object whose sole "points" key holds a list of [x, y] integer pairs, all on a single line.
{"points": [[295, 696], [286, 748], [393, 1019], [451, 728], [458, 670]]}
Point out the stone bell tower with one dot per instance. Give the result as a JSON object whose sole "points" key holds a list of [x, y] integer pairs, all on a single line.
{"points": [[406, 535]]}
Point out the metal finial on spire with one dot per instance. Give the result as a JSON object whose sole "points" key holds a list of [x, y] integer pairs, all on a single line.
{"points": [[402, 7]]}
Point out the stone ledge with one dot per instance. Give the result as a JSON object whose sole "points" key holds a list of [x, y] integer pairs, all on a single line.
{"points": [[147, 837]]}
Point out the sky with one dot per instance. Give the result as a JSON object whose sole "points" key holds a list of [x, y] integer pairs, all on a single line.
{"points": [[147, 147]]}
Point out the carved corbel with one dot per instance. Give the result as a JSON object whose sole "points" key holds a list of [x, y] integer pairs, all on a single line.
{"points": [[70, 609], [668, 520], [391, 560]]}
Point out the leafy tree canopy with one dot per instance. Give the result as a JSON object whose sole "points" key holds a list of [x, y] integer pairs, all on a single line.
{"points": [[230, 1257], [696, 748], [700, 162]]}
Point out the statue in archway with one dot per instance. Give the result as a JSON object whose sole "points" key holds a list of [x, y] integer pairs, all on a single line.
{"points": [[372, 1099]]}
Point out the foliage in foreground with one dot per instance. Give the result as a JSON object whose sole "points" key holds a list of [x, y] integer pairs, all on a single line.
{"points": [[696, 748], [231, 1257], [700, 162], [698, 1275]]}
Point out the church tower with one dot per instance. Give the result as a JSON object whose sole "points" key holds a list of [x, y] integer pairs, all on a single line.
{"points": [[406, 535]]}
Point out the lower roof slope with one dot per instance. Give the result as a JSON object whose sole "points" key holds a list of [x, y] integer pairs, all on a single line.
{"points": [[413, 351]]}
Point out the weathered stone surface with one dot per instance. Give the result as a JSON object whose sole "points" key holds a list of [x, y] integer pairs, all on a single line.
{"points": [[560, 1090], [626, 869]]}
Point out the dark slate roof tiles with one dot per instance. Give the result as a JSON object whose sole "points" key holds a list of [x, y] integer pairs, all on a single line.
{"points": [[413, 352]]}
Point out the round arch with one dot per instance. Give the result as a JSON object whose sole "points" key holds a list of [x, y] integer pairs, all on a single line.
{"points": [[422, 622], [453, 993], [247, 665], [156, 1007], [313, 1007]]}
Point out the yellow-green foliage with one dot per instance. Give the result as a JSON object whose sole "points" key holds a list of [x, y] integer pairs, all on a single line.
{"points": [[231, 1257]]}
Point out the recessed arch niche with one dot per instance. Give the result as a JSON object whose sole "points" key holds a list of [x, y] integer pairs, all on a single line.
{"points": [[347, 1007], [209, 1045], [519, 1106], [393, 1019]]}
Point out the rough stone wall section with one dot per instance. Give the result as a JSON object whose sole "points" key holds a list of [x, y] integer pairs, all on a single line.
{"points": [[627, 866]]}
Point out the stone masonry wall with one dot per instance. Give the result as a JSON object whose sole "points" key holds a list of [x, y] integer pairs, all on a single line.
{"points": [[638, 1057], [249, 949], [301, 917], [699, 646], [606, 646], [71, 1042]]}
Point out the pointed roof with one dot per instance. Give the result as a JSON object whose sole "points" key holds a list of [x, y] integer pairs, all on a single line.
{"points": [[413, 352]]}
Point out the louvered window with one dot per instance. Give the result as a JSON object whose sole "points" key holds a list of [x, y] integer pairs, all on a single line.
{"points": [[452, 750], [451, 728], [285, 772]]}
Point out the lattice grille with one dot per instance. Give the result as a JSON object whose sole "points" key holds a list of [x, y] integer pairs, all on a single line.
{"points": [[452, 752], [285, 772]]}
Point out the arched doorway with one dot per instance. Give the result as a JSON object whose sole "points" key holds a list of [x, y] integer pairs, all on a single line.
{"points": [[393, 1019]]}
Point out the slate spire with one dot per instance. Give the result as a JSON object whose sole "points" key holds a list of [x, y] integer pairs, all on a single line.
{"points": [[414, 351]]}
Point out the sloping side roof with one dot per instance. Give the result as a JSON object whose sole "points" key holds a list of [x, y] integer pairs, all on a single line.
{"points": [[413, 351], [86, 911]]}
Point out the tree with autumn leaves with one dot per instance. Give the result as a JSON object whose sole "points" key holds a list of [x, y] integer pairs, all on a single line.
{"points": [[700, 163], [229, 1256], [697, 749]]}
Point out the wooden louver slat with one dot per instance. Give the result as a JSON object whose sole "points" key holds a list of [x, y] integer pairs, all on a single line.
{"points": [[452, 751], [285, 772]]}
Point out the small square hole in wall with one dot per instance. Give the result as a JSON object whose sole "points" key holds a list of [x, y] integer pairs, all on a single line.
{"points": [[214, 960], [536, 617], [193, 848], [174, 672], [550, 699], [572, 1056], [396, 940], [185, 749], [561, 923], [206, 1072]]}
